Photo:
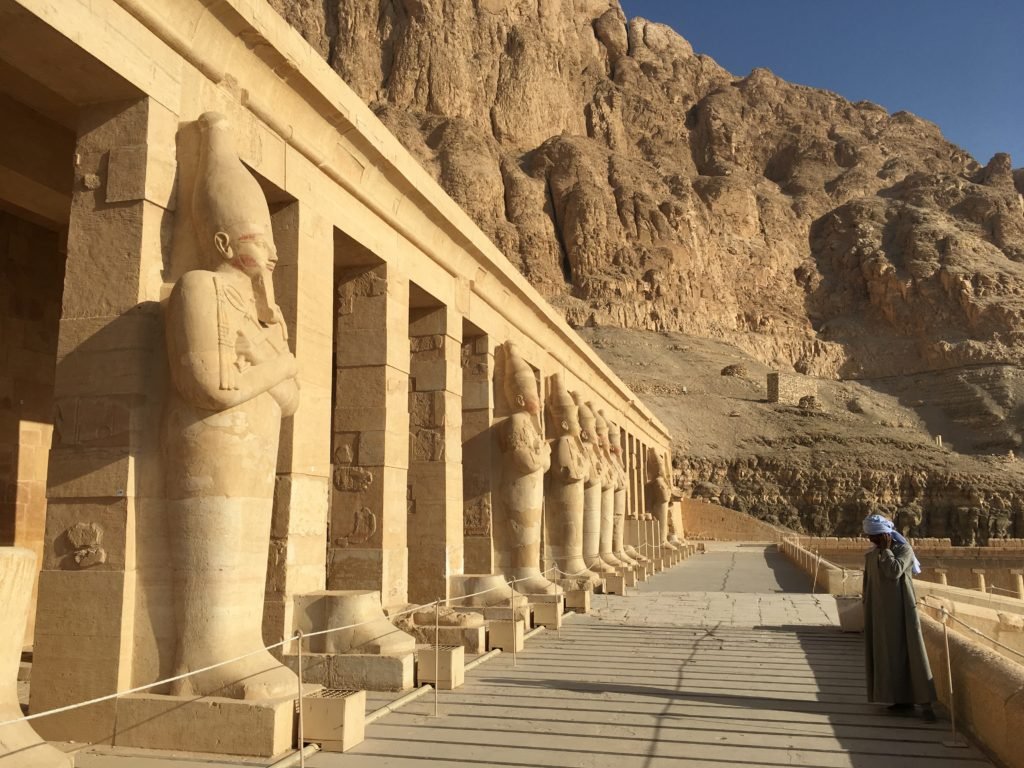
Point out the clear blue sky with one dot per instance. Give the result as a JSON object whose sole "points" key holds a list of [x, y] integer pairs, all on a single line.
{"points": [[958, 63]]}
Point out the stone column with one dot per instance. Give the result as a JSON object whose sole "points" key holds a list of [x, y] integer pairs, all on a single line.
{"points": [[1018, 578], [105, 486], [477, 447], [435, 452], [370, 451], [298, 544]]}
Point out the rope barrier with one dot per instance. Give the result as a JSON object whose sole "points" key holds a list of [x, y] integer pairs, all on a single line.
{"points": [[975, 630], [300, 636]]}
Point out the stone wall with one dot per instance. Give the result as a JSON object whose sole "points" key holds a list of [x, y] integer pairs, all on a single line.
{"points": [[788, 388], [31, 279], [961, 566], [710, 521], [988, 691]]}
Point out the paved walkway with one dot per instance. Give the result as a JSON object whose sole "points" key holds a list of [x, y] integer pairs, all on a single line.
{"points": [[660, 678]]}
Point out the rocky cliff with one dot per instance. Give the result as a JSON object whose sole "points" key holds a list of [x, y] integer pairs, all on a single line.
{"points": [[639, 185]]}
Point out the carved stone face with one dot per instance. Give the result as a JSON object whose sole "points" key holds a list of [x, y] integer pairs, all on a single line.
{"points": [[250, 249], [524, 395], [566, 419]]}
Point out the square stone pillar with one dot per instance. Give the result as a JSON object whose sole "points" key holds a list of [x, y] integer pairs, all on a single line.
{"points": [[477, 447], [370, 449], [435, 452], [298, 539], [105, 485]]}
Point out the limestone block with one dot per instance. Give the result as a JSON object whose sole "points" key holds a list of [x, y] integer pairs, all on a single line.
{"points": [[614, 584], [506, 635], [578, 600], [851, 613], [356, 671], [629, 577], [19, 744], [450, 664], [209, 724], [86, 535], [334, 719], [548, 615], [82, 472]]}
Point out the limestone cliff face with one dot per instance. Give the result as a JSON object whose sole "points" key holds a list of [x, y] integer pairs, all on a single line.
{"points": [[639, 184]]}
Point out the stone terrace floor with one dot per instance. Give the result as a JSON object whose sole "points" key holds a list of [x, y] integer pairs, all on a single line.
{"points": [[724, 660]]}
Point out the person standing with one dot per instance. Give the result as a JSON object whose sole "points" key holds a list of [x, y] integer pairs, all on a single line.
{"points": [[896, 663]]}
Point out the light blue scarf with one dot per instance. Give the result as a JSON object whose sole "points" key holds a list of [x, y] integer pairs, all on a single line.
{"points": [[875, 524]]}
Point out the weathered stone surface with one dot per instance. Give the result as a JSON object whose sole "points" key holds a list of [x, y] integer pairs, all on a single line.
{"points": [[637, 183]]}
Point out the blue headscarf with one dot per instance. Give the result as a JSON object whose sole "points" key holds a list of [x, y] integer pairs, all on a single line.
{"points": [[875, 524]]}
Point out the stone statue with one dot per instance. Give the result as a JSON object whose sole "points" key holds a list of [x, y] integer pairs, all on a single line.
{"points": [[233, 378], [659, 493], [525, 457], [592, 490], [570, 467], [608, 485], [20, 745], [619, 519]]}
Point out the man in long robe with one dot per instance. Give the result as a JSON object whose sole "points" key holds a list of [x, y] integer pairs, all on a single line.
{"points": [[896, 663]]}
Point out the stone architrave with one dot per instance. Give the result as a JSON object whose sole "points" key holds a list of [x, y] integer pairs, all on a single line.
{"points": [[619, 520], [525, 457], [659, 495], [592, 490], [609, 481], [20, 745], [570, 467], [233, 378]]}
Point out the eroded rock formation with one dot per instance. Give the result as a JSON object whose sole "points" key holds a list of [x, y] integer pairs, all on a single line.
{"points": [[639, 184]]}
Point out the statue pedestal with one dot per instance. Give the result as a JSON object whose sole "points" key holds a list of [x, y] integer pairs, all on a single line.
{"points": [[578, 600], [356, 671], [548, 612], [629, 575], [450, 664], [207, 724], [507, 635]]}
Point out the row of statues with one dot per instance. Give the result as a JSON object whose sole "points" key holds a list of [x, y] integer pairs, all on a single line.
{"points": [[587, 486], [233, 379]]}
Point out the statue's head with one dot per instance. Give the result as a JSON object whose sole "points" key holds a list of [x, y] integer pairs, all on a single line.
{"points": [[520, 384], [654, 466], [587, 420], [614, 439], [231, 216], [563, 410], [600, 426]]}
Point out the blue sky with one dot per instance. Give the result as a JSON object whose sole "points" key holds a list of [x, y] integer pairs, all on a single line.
{"points": [[958, 63]]}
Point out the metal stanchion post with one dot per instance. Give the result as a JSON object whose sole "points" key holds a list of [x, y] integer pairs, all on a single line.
{"points": [[515, 622], [437, 649], [817, 563], [301, 745], [955, 740]]}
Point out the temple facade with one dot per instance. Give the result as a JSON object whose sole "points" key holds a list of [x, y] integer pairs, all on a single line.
{"points": [[165, 390]]}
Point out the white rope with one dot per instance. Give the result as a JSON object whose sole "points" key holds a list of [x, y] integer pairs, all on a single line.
{"points": [[973, 629], [279, 644]]}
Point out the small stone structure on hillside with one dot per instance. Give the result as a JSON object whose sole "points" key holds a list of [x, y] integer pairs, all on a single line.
{"points": [[789, 388]]}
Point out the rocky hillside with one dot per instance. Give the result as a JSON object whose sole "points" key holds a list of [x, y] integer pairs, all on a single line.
{"points": [[641, 186], [853, 448]]}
